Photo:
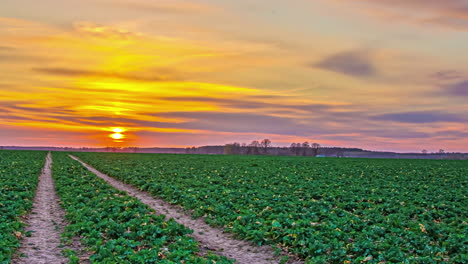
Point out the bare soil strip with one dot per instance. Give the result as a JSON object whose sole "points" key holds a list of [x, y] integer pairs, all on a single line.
{"points": [[45, 223], [210, 238]]}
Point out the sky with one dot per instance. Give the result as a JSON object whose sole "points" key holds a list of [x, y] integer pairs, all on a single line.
{"points": [[380, 75]]}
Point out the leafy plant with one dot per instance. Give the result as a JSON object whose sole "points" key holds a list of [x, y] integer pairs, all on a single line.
{"points": [[118, 228], [19, 171], [323, 210]]}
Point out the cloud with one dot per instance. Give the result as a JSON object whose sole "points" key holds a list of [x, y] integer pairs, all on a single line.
{"points": [[450, 14], [451, 133], [103, 31], [419, 117], [251, 102], [241, 123], [447, 75], [457, 89], [165, 7], [10, 57], [162, 75], [6, 48], [396, 133], [354, 63]]}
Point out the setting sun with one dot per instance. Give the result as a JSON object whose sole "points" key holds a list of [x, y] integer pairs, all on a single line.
{"points": [[117, 136], [118, 130]]}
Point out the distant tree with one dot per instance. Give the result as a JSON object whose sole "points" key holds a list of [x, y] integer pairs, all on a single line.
{"points": [[340, 154], [243, 148], [424, 151], [441, 151], [255, 143], [293, 148], [296, 148], [316, 148], [236, 148], [265, 144], [305, 146], [228, 149], [253, 147]]}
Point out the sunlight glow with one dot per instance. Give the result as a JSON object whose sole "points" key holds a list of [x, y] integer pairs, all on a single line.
{"points": [[118, 130], [116, 136]]}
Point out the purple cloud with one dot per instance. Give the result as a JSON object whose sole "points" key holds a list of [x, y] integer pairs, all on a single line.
{"points": [[458, 89], [448, 75], [352, 63], [420, 117]]}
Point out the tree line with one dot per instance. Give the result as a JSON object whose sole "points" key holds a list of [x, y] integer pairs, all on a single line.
{"points": [[264, 147]]}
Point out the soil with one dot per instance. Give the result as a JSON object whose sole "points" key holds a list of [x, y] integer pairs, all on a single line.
{"points": [[209, 238], [45, 223]]}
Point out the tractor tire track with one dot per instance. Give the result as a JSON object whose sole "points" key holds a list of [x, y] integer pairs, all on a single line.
{"points": [[45, 223], [210, 238]]}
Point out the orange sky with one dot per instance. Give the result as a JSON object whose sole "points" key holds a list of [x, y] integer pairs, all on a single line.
{"points": [[391, 75]]}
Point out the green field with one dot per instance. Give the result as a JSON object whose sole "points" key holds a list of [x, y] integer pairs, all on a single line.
{"points": [[19, 171], [323, 210], [117, 228]]}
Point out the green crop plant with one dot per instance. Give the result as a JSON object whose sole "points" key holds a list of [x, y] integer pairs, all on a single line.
{"points": [[323, 210], [19, 171], [117, 228]]}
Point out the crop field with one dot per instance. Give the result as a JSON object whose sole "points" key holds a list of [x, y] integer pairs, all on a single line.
{"points": [[116, 227], [316, 210], [19, 171], [322, 210]]}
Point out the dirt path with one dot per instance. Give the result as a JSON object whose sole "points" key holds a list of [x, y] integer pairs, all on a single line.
{"points": [[210, 238], [46, 222]]}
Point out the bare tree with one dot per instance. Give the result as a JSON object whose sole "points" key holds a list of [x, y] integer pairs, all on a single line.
{"points": [[243, 148], [316, 148], [305, 146], [253, 147], [265, 144], [292, 147], [315, 145], [295, 148], [236, 148]]}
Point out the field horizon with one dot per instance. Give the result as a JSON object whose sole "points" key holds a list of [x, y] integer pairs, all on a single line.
{"points": [[233, 132]]}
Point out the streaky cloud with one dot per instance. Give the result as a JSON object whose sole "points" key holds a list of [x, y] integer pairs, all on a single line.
{"points": [[419, 117], [144, 77], [447, 75], [449, 14]]}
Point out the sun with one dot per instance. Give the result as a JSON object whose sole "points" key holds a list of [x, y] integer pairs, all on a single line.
{"points": [[117, 129], [116, 136]]}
